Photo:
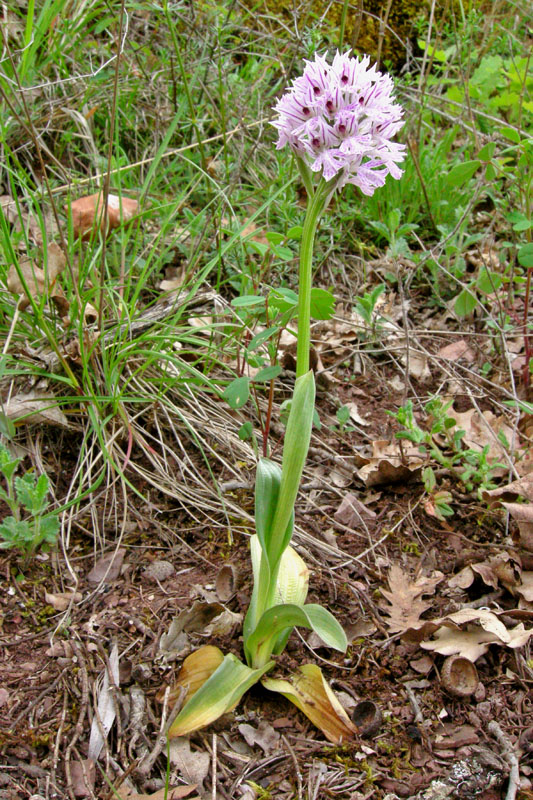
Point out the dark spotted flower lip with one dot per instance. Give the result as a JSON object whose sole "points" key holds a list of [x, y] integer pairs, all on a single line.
{"points": [[340, 119]]}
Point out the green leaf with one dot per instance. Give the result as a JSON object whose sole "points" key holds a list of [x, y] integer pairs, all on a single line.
{"points": [[519, 221], [218, 695], [461, 173], [248, 301], [8, 464], [486, 152], [237, 392], [267, 485], [16, 533], [283, 299], [488, 281], [260, 338], [283, 252], [511, 134], [343, 415], [48, 530], [275, 238], [292, 585], [525, 255], [245, 432], [465, 303], [277, 619], [295, 447], [523, 405], [267, 374], [322, 304], [295, 232], [7, 427]]}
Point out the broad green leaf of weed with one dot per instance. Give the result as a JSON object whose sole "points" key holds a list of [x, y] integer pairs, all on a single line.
{"points": [[8, 464], [48, 530], [15, 533], [237, 392], [31, 493], [322, 304], [465, 303], [267, 374], [461, 173]]}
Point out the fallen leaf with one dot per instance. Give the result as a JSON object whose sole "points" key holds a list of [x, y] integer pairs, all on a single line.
{"points": [[355, 416], [86, 213], [309, 691], [36, 407], [482, 430], [522, 487], [469, 644], [264, 735], [107, 709], [166, 793], [226, 582], [456, 350], [62, 600], [463, 579], [523, 516], [450, 736], [525, 589], [31, 281], [405, 604], [82, 775], [193, 765], [108, 567], [38, 226], [390, 463], [474, 641], [351, 510]]}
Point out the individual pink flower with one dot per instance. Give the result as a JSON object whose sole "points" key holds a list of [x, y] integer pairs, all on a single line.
{"points": [[340, 118]]}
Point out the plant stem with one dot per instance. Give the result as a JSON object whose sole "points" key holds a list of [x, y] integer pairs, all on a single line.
{"points": [[317, 205]]}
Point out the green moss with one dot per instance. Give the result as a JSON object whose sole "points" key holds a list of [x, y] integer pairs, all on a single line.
{"points": [[385, 31], [366, 29]]}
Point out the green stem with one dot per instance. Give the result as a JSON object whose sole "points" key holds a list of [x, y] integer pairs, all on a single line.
{"points": [[317, 205]]}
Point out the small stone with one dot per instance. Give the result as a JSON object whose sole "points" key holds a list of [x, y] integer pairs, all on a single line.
{"points": [[159, 571]]}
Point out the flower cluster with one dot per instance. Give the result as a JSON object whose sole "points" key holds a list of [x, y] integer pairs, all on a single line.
{"points": [[340, 118]]}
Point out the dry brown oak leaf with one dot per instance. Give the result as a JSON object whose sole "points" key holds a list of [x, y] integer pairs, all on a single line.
{"points": [[405, 605]]}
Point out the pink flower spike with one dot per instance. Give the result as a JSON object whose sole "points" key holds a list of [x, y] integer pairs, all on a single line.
{"points": [[340, 120]]}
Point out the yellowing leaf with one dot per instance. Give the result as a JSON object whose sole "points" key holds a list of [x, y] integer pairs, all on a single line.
{"points": [[219, 694], [195, 670], [309, 691]]}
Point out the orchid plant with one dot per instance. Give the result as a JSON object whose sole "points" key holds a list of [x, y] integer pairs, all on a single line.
{"points": [[338, 119]]}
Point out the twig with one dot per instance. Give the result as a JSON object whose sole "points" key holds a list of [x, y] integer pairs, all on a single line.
{"points": [[296, 766], [510, 755], [214, 767], [144, 767]]}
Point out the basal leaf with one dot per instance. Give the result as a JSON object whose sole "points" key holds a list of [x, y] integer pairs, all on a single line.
{"points": [[295, 449], [219, 694], [309, 691], [276, 620]]}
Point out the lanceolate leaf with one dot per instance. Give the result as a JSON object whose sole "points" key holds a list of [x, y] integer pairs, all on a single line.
{"points": [[295, 447], [219, 694], [277, 619], [291, 587], [309, 691]]}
